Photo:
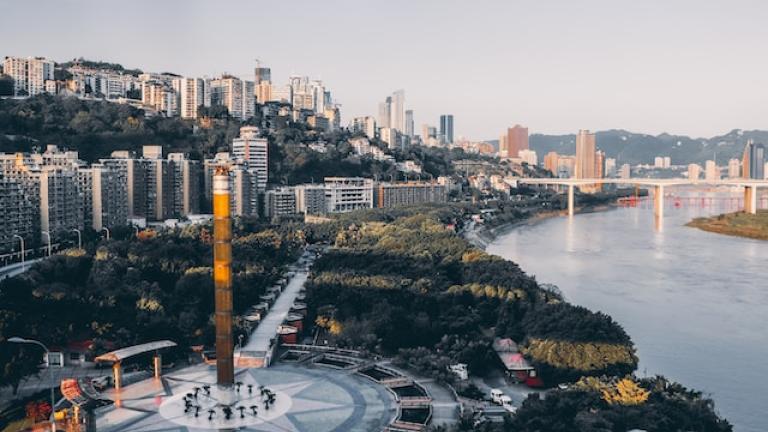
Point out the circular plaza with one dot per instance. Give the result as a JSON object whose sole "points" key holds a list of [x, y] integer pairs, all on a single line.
{"points": [[304, 398]]}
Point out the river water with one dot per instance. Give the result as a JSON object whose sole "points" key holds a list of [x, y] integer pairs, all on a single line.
{"points": [[695, 303]]}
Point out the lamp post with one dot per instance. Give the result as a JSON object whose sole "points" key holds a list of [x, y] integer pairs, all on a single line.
{"points": [[48, 236], [79, 238], [19, 340], [107, 230], [21, 239]]}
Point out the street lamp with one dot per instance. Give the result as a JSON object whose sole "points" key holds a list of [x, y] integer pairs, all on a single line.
{"points": [[79, 238], [107, 230], [19, 340], [21, 239], [48, 235]]}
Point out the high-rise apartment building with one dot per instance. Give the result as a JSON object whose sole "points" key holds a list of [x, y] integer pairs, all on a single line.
{"points": [[29, 74], [19, 211], [503, 145], [610, 167], [517, 139], [550, 162], [585, 155], [261, 73], [753, 161], [711, 171], [734, 168], [366, 125], [599, 164], [159, 181], [446, 128], [694, 171], [385, 113], [105, 199], [186, 185], [237, 95], [409, 123], [254, 152], [529, 157], [191, 96], [397, 119], [134, 170]]}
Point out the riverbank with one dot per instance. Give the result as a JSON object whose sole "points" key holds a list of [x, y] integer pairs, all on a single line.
{"points": [[482, 236], [737, 224]]}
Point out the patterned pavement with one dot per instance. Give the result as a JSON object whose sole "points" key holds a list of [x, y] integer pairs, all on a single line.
{"points": [[308, 399]]}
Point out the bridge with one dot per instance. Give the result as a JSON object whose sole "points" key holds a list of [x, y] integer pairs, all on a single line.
{"points": [[750, 188]]}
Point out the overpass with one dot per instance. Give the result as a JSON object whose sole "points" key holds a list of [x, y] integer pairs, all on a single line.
{"points": [[750, 188]]}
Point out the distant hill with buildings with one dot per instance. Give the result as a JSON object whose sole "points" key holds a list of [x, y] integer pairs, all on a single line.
{"points": [[636, 148]]}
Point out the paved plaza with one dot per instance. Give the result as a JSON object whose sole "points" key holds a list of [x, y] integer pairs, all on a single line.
{"points": [[307, 399]]}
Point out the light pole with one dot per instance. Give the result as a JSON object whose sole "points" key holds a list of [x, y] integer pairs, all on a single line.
{"points": [[48, 235], [107, 230], [21, 239], [19, 340], [79, 238]]}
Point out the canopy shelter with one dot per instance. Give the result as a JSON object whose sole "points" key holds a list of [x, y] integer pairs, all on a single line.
{"points": [[116, 357]]}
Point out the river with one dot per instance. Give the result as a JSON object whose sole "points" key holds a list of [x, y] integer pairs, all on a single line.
{"points": [[695, 303]]}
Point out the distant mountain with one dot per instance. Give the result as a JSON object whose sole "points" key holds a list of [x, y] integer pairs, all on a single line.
{"points": [[634, 148]]}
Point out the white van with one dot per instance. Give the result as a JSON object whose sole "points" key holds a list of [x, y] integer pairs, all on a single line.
{"points": [[496, 396]]}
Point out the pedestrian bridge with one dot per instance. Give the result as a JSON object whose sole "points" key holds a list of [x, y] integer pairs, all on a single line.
{"points": [[750, 188]]}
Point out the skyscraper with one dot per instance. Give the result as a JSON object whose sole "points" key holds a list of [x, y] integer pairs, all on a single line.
{"points": [[585, 155], [409, 123], [385, 113], [446, 128], [517, 139], [261, 74], [397, 114], [753, 164]]}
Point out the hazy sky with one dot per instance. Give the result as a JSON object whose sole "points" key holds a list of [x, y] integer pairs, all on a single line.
{"points": [[695, 67]]}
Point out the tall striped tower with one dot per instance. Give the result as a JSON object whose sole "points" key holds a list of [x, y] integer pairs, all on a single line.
{"points": [[222, 278]]}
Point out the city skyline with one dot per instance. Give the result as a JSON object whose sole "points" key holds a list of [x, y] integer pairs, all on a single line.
{"points": [[675, 79]]}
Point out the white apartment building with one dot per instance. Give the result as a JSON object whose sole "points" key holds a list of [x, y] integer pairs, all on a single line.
{"points": [[29, 74], [254, 151], [237, 95], [344, 194], [191, 96], [734, 168], [711, 171], [366, 125]]}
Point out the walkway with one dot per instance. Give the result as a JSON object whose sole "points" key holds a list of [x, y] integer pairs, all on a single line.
{"points": [[259, 342]]}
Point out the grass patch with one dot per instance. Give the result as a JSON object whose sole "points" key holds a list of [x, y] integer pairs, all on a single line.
{"points": [[735, 224]]}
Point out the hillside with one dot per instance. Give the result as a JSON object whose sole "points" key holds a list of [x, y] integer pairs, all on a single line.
{"points": [[96, 128]]}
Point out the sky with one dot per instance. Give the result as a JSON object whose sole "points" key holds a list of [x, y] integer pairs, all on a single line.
{"points": [[696, 68]]}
